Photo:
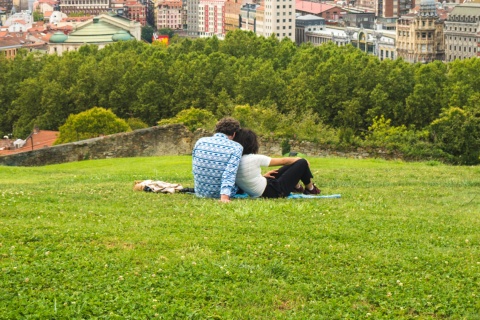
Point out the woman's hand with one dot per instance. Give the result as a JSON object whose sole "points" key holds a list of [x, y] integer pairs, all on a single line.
{"points": [[271, 174]]}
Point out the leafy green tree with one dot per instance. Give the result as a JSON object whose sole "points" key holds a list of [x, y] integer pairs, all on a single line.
{"points": [[193, 119], [147, 33], [457, 132], [37, 15], [135, 123], [90, 124], [166, 31]]}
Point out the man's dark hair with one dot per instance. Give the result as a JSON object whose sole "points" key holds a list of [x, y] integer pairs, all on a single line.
{"points": [[248, 139], [228, 126]]}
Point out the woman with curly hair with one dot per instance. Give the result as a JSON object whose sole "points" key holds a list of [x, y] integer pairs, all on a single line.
{"points": [[277, 183]]}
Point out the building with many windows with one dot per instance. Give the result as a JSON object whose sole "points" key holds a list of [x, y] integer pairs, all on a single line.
{"points": [[192, 17], [211, 18], [393, 8], [278, 19], [420, 36], [86, 7], [462, 32], [169, 14]]}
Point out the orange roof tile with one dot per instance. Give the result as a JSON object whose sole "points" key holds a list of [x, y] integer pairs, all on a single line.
{"points": [[42, 139]]}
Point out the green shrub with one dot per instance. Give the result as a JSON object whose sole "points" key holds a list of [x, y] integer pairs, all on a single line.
{"points": [[136, 123], [193, 119], [90, 124], [457, 132]]}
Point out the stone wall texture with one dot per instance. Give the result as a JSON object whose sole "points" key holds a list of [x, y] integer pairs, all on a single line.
{"points": [[159, 141]]}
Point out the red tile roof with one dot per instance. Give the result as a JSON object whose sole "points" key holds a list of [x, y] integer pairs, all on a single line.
{"points": [[312, 7], [42, 139]]}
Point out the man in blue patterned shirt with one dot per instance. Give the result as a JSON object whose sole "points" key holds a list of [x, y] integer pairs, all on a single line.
{"points": [[215, 162]]}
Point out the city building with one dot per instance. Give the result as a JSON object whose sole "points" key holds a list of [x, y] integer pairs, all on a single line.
{"points": [[86, 7], [192, 17], [420, 36], [211, 18], [327, 11], [7, 5], [462, 32], [248, 18], [278, 19], [136, 11], [380, 43], [393, 8], [305, 24], [360, 20], [232, 14], [169, 14], [101, 31]]}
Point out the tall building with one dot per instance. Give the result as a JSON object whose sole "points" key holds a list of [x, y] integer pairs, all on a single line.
{"points": [[462, 32], [232, 14], [169, 14], [192, 17], [211, 18], [393, 8], [279, 19], [420, 36]]}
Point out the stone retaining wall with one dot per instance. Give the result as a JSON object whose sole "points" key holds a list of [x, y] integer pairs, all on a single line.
{"points": [[155, 141]]}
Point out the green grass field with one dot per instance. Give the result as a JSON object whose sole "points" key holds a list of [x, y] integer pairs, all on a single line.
{"points": [[76, 242]]}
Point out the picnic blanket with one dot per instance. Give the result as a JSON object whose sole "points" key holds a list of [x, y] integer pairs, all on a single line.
{"points": [[167, 187], [294, 196], [157, 186]]}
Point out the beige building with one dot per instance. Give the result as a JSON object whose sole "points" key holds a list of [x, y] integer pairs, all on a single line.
{"points": [[169, 14], [420, 36], [462, 32]]}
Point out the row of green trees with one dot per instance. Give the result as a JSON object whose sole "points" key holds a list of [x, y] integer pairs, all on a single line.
{"points": [[363, 101]]}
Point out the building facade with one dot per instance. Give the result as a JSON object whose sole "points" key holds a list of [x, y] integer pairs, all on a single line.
{"points": [[462, 32], [169, 14], [305, 24], [420, 37], [86, 7], [393, 8], [136, 11], [279, 19], [192, 17], [211, 18], [232, 14]]}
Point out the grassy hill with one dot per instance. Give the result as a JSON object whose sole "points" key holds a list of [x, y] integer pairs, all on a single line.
{"points": [[77, 242]]}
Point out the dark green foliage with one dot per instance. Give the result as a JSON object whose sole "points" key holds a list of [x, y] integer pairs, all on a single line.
{"points": [[147, 33], [336, 91]]}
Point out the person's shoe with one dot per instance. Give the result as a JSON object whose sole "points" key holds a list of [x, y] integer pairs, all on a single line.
{"points": [[300, 189], [315, 190]]}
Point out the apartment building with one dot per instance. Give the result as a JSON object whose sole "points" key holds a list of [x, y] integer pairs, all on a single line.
{"points": [[420, 36], [462, 32], [87, 7], [169, 14], [279, 19], [211, 18]]}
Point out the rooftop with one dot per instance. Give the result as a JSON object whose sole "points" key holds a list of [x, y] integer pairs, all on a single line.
{"points": [[41, 139]]}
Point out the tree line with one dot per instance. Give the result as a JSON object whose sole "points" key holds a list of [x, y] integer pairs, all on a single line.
{"points": [[424, 110]]}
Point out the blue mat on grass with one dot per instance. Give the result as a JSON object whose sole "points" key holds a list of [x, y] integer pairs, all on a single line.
{"points": [[295, 196]]}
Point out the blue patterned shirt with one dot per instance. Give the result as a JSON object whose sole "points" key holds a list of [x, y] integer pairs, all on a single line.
{"points": [[215, 165]]}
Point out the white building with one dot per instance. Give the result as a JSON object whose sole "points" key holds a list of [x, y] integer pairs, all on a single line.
{"points": [[19, 22], [279, 19], [211, 18], [380, 43]]}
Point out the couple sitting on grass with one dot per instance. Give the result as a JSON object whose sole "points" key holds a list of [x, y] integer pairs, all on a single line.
{"points": [[227, 163]]}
